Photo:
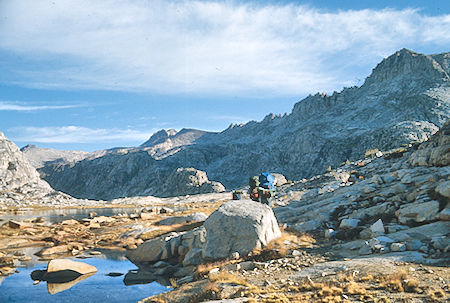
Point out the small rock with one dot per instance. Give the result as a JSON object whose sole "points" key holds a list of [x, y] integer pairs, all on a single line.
{"points": [[414, 245], [329, 232], [186, 279], [166, 210], [424, 249], [160, 264], [133, 216], [443, 189], [247, 265], [349, 223], [69, 222], [95, 253], [19, 225], [398, 247], [444, 215], [235, 256], [115, 274], [296, 253], [214, 270], [146, 216], [377, 227], [365, 249], [232, 267]]}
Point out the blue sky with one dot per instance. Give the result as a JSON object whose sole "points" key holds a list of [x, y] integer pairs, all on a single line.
{"points": [[88, 75]]}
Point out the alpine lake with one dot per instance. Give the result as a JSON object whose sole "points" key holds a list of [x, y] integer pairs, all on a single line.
{"points": [[116, 279]]}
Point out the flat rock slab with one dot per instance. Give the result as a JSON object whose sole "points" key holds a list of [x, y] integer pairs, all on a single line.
{"points": [[66, 264], [379, 264]]}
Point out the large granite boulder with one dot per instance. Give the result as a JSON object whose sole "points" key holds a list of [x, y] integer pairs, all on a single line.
{"points": [[436, 151], [57, 265], [239, 226]]}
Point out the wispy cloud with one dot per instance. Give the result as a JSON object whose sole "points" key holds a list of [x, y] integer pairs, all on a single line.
{"points": [[19, 106], [204, 46], [77, 134]]}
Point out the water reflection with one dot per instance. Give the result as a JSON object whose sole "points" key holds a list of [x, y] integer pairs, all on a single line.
{"points": [[59, 281], [126, 284]]}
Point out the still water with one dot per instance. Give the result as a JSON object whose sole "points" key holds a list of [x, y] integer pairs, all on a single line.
{"points": [[57, 215], [100, 287]]}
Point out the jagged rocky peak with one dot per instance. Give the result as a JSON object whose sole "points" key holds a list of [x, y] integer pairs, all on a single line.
{"points": [[409, 64], [15, 170], [159, 137], [174, 138], [28, 147], [407, 98]]}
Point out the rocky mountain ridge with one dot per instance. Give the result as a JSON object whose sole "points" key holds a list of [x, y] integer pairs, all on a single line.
{"points": [[405, 99], [38, 157], [20, 183]]}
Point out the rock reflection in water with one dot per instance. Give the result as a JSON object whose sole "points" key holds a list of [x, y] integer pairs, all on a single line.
{"points": [[59, 281], [99, 287], [142, 276]]}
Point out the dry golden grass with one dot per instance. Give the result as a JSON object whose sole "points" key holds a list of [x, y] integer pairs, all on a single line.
{"points": [[436, 294], [206, 267], [226, 277], [354, 288], [209, 291], [278, 248]]}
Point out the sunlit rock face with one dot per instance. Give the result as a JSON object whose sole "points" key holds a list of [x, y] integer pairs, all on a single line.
{"points": [[20, 183], [406, 98]]}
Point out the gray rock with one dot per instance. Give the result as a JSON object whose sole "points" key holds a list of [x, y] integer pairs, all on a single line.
{"points": [[329, 232], [183, 219], [193, 257], [396, 247], [366, 249], [149, 251], [413, 245], [349, 223], [247, 265], [418, 212], [443, 189], [444, 215], [308, 226], [241, 226], [279, 179], [195, 238], [377, 227]]}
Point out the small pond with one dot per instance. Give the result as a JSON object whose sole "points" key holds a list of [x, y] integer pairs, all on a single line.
{"points": [[60, 214], [99, 287]]}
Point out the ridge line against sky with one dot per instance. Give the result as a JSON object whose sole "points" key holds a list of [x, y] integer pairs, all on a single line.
{"points": [[145, 65]]}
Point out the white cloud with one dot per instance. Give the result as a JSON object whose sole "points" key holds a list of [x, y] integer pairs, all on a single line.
{"points": [[19, 106], [77, 134], [203, 47]]}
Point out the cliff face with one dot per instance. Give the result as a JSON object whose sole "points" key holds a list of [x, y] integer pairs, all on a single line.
{"points": [[406, 98], [20, 183]]}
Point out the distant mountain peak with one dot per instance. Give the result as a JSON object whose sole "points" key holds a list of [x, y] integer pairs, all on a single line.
{"points": [[28, 147], [407, 64], [159, 137]]}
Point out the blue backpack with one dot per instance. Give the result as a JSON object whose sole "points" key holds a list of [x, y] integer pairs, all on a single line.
{"points": [[267, 180]]}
